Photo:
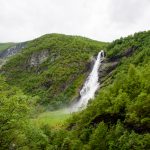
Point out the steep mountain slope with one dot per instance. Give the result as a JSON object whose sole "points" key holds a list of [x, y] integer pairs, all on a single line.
{"points": [[119, 117], [123, 52], [53, 67]]}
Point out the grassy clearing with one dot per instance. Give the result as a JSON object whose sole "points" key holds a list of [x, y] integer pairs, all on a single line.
{"points": [[52, 118]]}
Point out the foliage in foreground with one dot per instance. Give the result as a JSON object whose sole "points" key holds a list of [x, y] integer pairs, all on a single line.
{"points": [[16, 129], [117, 119]]}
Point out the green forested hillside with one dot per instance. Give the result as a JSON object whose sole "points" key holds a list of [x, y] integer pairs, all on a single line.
{"points": [[65, 62], [117, 119]]}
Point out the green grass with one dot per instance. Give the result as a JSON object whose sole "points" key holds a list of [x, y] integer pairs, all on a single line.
{"points": [[52, 118], [4, 46]]}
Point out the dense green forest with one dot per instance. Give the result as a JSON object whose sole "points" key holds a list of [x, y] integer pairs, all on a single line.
{"points": [[117, 119]]}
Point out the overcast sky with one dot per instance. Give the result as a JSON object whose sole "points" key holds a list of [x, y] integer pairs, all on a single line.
{"points": [[103, 20]]}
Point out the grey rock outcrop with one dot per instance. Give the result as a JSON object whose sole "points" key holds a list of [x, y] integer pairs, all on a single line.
{"points": [[110, 64], [12, 51], [38, 58], [7, 53]]}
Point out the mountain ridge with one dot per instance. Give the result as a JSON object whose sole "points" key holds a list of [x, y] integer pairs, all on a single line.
{"points": [[49, 62]]}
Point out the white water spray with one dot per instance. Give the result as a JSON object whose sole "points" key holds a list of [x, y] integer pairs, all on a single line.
{"points": [[90, 86]]}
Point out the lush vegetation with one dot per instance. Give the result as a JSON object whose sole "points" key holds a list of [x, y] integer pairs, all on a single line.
{"points": [[118, 118], [57, 80], [4, 46], [16, 128]]}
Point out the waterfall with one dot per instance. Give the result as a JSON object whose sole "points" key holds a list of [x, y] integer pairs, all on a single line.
{"points": [[90, 86]]}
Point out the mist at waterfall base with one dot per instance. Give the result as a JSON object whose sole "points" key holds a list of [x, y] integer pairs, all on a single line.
{"points": [[90, 86], [87, 93]]}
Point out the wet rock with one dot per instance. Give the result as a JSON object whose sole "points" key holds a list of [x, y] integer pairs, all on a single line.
{"points": [[109, 64], [89, 65], [107, 67]]}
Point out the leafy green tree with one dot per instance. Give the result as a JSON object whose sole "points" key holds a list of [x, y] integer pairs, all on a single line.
{"points": [[16, 130]]}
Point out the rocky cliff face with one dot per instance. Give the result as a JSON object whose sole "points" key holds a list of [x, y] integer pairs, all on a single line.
{"points": [[38, 58], [12, 51], [110, 64]]}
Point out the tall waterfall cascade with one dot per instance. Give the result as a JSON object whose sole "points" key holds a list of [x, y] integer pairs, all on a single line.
{"points": [[90, 86]]}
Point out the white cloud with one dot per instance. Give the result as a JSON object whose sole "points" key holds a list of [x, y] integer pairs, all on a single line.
{"points": [[103, 20]]}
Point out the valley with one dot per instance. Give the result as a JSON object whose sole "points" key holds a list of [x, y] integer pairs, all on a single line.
{"points": [[48, 76]]}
